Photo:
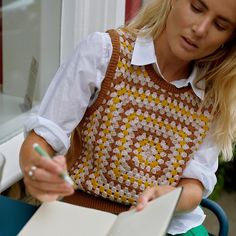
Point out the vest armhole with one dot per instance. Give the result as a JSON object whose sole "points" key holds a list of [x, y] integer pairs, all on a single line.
{"points": [[111, 69], [75, 147]]}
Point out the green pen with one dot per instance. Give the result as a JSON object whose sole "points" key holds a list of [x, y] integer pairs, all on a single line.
{"points": [[43, 153]]}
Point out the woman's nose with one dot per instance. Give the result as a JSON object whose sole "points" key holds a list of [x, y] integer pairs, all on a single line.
{"points": [[201, 27]]}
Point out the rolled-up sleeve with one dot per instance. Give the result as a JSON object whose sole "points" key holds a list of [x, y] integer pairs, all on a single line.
{"points": [[203, 165], [69, 93], [50, 131]]}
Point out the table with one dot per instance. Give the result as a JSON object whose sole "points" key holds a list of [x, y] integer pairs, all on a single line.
{"points": [[13, 215]]}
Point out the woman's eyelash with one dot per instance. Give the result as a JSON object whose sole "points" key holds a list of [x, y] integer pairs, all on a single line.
{"points": [[219, 27], [195, 9]]}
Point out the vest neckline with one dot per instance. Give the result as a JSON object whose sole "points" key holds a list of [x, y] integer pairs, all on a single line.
{"points": [[164, 84]]}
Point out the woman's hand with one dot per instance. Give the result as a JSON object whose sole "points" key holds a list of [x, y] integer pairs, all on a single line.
{"points": [[45, 183], [150, 194], [41, 175]]}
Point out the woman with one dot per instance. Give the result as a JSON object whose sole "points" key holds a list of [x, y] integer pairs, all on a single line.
{"points": [[150, 107]]}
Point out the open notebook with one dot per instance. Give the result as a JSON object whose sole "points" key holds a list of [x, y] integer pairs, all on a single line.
{"points": [[59, 218]]}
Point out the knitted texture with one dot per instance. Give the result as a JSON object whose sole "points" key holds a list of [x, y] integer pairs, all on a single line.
{"points": [[141, 131]]}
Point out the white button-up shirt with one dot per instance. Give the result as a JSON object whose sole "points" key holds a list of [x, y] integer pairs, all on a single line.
{"points": [[75, 87]]}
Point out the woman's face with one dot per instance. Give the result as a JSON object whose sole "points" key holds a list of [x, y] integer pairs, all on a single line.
{"points": [[197, 28]]}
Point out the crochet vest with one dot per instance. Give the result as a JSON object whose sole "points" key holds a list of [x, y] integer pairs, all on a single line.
{"points": [[141, 131]]}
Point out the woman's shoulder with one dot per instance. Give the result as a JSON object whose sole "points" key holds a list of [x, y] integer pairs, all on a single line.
{"points": [[97, 38]]}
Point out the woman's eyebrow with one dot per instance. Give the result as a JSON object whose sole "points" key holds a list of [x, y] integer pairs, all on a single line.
{"points": [[219, 16]]}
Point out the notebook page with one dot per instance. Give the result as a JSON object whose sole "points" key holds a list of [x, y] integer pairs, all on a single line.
{"points": [[59, 218], [153, 220]]}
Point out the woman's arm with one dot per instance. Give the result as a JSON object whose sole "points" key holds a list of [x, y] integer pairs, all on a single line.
{"points": [[45, 184], [59, 113], [191, 195], [27, 152]]}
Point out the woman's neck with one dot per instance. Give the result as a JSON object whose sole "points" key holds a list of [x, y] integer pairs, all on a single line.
{"points": [[172, 68]]}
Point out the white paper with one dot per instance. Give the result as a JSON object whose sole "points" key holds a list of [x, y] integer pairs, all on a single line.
{"points": [[63, 219]]}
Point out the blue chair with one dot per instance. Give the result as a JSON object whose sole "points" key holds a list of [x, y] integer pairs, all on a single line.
{"points": [[220, 215]]}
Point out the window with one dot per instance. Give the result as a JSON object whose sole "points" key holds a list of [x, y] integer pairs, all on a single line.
{"points": [[29, 57], [36, 36]]}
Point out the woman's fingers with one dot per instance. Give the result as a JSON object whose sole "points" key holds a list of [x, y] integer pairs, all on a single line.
{"points": [[46, 170], [57, 188], [42, 196], [39, 174], [33, 168], [43, 182], [48, 190], [148, 195], [60, 160], [46, 180], [51, 165], [131, 208], [43, 179]]}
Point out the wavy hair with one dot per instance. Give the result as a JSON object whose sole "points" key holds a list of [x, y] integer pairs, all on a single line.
{"points": [[217, 69]]}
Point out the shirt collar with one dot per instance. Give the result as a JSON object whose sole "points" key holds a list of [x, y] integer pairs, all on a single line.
{"points": [[144, 54]]}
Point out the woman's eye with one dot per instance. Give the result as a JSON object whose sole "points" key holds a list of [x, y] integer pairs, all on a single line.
{"points": [[219, 27], [196, 8]]}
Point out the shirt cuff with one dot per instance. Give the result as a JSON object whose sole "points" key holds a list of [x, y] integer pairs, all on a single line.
{"points": [[50, 131]]}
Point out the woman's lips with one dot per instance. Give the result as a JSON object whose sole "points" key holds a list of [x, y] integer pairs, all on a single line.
{"points": [[188, 43]]}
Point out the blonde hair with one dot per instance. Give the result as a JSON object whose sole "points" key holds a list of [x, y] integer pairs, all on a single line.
{"points": [[217, 69], [152, 17]]}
